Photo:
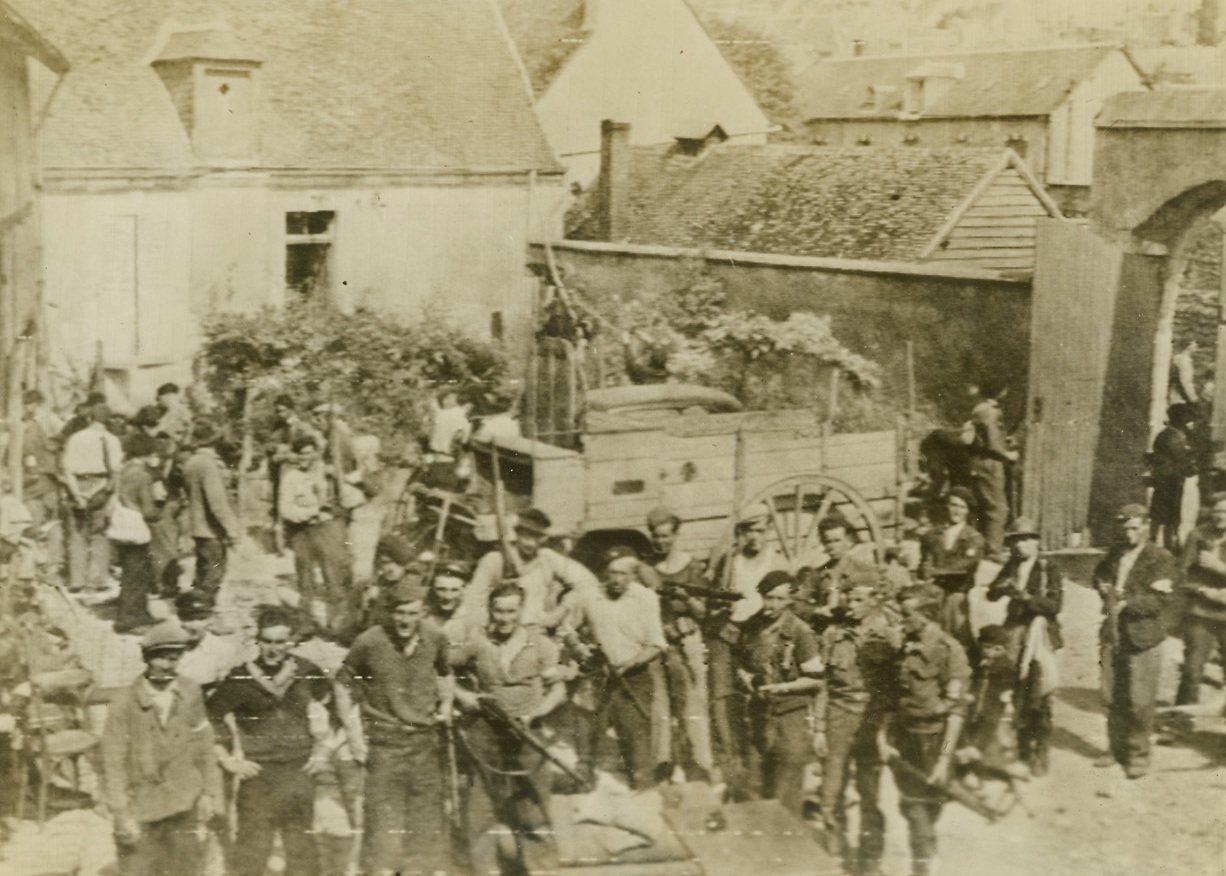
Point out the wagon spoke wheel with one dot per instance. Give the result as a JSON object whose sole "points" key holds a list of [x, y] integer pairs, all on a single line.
{"points": [[798, 505]]}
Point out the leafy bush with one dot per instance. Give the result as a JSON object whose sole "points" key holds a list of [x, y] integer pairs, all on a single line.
{"points": [[691, 335], [380, 370]]}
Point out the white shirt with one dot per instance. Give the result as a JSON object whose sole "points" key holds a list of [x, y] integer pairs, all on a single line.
{"points": [[163, 698], [92, 451], [950, 535], [623, 627], [542, 579], [747, 573], [448, 423], [1023, 572], [210, 661]]}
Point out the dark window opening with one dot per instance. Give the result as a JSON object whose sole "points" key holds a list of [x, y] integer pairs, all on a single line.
{"points": [[308, 250]]}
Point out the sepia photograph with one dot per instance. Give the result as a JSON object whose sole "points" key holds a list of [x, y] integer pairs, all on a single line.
{"points": [[612, 438]]}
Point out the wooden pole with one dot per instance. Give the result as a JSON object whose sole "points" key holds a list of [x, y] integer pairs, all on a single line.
{"points": [[16, 366]]}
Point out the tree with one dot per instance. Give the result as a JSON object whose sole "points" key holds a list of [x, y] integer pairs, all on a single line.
{"points": [[691, 335], [381, 370]]}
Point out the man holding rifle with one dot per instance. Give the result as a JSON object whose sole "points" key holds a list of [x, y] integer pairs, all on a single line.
{"points": [[919, 739], [624, 624], [517, 683]]}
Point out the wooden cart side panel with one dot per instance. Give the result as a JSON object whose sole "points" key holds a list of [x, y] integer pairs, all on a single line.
{"points": [[558, 490]]}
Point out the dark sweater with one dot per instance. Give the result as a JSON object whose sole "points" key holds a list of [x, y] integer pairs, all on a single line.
{"points": [[272, 729]]}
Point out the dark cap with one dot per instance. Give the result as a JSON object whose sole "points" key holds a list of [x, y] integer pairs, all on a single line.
{"points": [[395, 548], [964, 494], [453, 569], [1132, 511], [618, 552], [193, 606], [533, 521], [410, 589], [993, 634], [774, 580]]}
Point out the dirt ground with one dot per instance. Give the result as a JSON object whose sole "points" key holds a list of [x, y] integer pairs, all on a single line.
{"points": [[1082, 821]]}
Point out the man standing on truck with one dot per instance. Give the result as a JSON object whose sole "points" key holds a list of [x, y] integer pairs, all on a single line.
{"points": [[551, 582]]}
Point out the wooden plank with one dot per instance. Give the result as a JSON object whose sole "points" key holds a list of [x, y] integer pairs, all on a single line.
{"points": [[990, 247], [999, 263], [1005, 200], [992, 250], [978, 212], [1019, 233], [632, 445], [1018, 222]]}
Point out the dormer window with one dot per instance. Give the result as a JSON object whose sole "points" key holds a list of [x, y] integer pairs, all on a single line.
{"points": [[211, 79], [698, 137], [927, 84]]}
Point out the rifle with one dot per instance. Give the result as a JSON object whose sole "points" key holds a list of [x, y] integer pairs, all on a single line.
{"points": [[453, 783], [603, 665], [697, 591], [497, 715], [950, 790]]}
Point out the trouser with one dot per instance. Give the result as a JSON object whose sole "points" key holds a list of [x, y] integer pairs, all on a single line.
{"points": [[955, 619], [210, 566], [1199, 636], [323, 546], [495, 800], [280, 798], [782, 748], [164, 546], [1033, 718], [727, 710], [89, 550], [404, 829], [1130, 692], [920, 804], [991, 502], [170, 845], [851, 740], [686, 671], [42, 499], [136, 583], [619, 708]]}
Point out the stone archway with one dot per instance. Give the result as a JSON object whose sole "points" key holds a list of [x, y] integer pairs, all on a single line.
{"points": [[1160, 172]]}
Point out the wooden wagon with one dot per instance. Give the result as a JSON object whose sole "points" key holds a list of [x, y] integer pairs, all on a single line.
{"points": [[703, 465]]}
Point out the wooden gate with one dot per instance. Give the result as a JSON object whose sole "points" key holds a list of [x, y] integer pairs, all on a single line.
{"points": [[1072, 311]]}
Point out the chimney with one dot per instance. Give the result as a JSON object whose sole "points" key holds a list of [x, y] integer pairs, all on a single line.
{"points": [[613, 186], [591, 15]]}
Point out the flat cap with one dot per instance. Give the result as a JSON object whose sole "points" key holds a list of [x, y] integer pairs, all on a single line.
{"points": [[533, 521], [1132, 511], [165, 636], [774, 580], [410, 589]]}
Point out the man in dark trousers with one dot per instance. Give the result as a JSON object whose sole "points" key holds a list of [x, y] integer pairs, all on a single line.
{"points": [[858, 652], [989, 478], [779, 664], [271, 755], [1172, 462], [214, 525], [1135, 580], [919, 740], [159, 771], [1032, 630], [402, 678], [950, 557]]}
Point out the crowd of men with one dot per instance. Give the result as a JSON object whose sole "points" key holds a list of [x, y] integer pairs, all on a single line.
{"points": [[468, 693]]}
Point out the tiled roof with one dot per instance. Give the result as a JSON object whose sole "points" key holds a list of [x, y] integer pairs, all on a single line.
{"points": [[547, 33], [863, 203], [215, 43], [353, 84], [1015, 82]]}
